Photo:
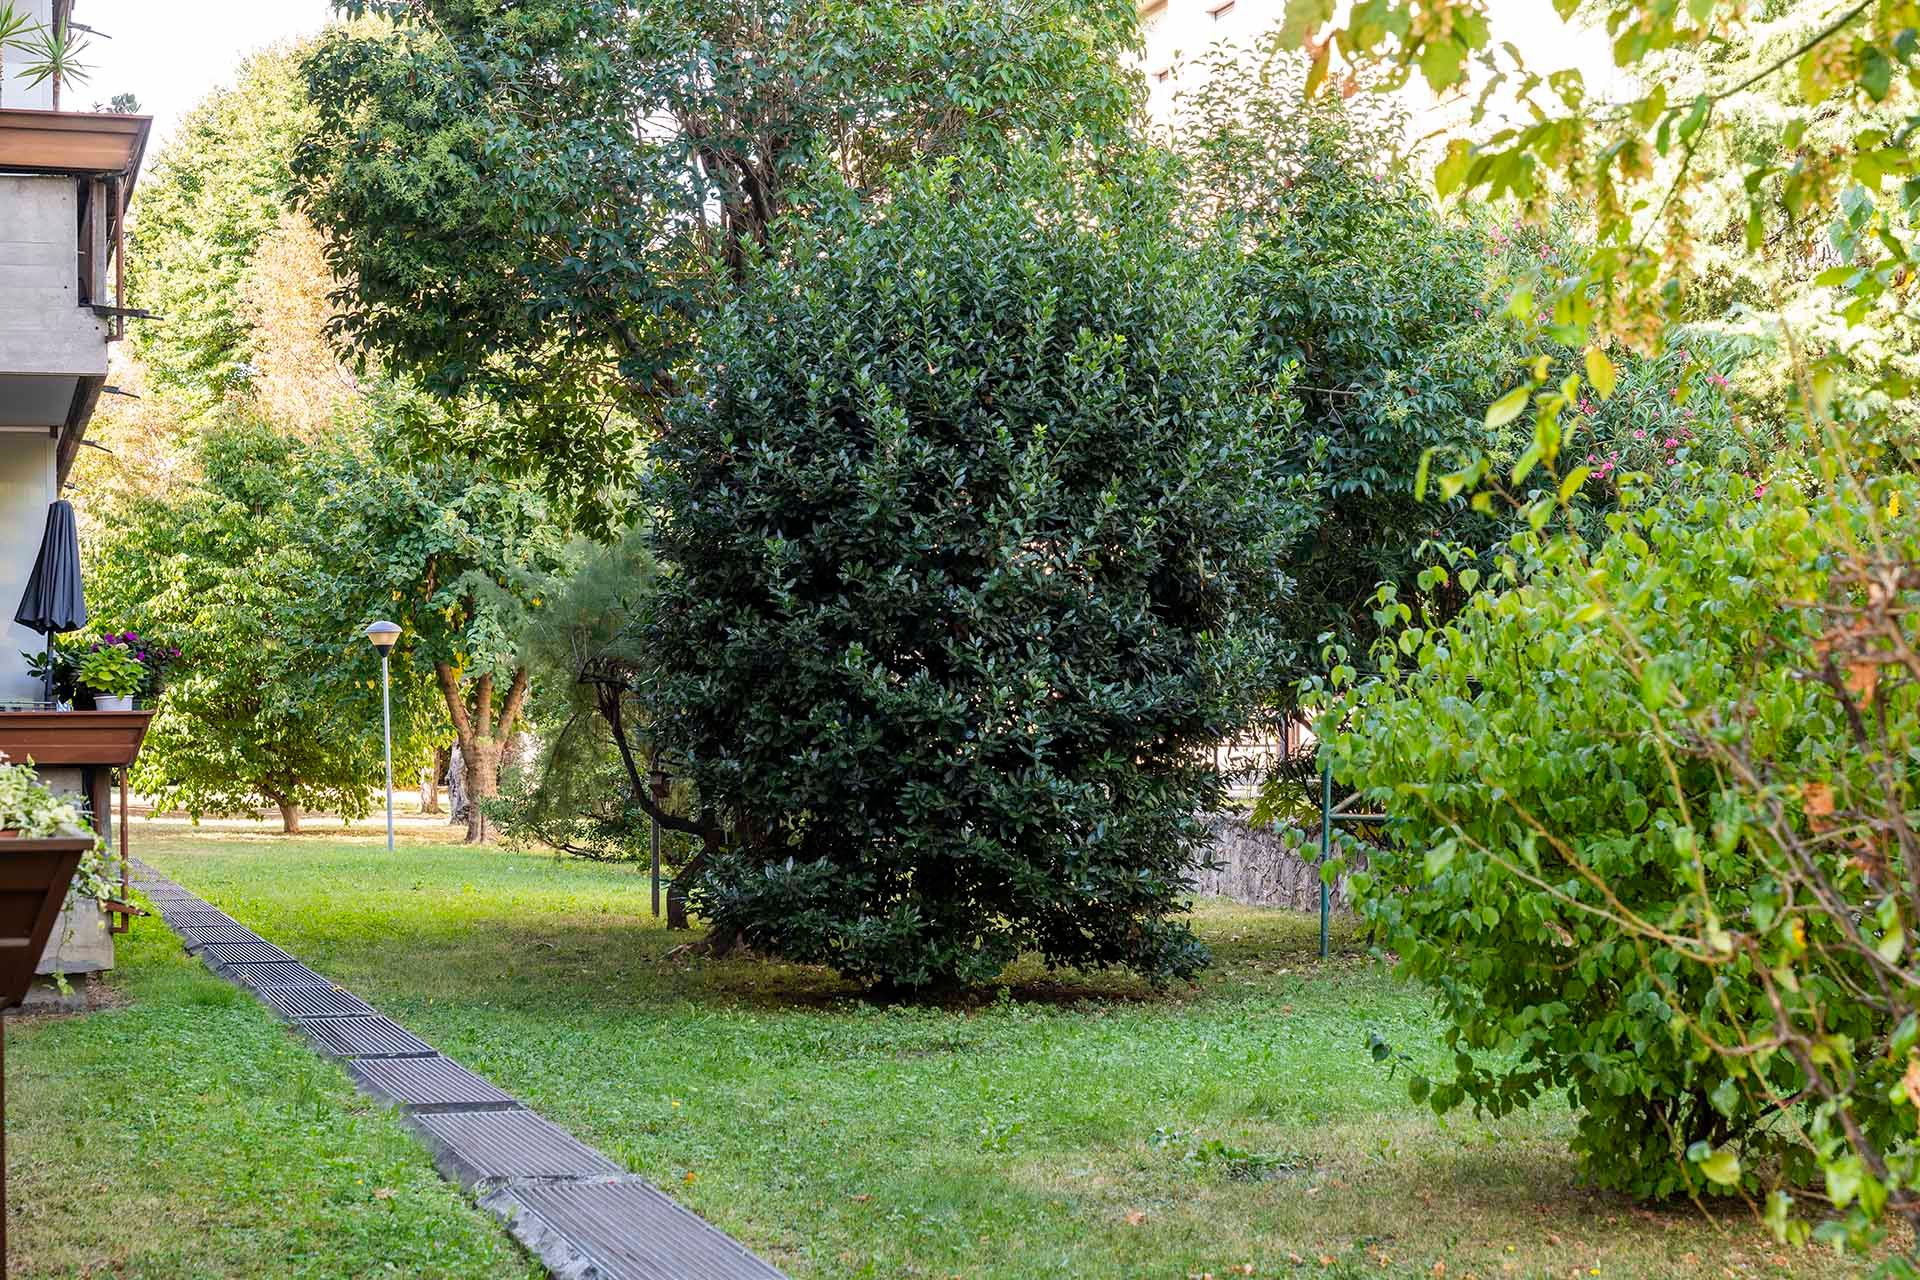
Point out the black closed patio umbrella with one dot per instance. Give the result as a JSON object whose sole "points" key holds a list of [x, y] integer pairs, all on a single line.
{"points": [[53, 601]]}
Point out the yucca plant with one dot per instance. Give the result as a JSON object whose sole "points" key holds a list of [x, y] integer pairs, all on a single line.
{"points": [[14, 27], [55, 55]]}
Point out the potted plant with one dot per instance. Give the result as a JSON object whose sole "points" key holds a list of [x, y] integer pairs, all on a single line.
{"points": [[57, 667], [29, 810], [128, 655], [114, 675]]}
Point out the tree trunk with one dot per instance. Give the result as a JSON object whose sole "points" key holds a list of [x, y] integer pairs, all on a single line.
{"points": [[289, 817], [436, 769], [483, 783]]}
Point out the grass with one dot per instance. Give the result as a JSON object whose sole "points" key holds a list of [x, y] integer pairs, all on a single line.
{"points": [[186, 1133], [1073, 1126]]}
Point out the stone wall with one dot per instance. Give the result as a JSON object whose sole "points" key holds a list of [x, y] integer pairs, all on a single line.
{"points": [[1266, 868]]}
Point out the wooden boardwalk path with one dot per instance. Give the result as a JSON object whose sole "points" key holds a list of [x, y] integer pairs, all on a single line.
{"points": [[579, 1212]]}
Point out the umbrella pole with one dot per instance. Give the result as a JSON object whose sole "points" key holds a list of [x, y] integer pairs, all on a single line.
{"points": [[49, 678]]}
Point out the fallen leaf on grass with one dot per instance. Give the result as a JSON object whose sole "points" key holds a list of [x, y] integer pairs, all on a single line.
{"points": [[383, 1193], [1135, 1218]]}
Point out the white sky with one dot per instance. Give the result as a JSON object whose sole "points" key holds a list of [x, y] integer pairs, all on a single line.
{"points": [[172, 53]]}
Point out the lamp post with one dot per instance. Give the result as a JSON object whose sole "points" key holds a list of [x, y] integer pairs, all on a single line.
{"points": [[383, 634]]}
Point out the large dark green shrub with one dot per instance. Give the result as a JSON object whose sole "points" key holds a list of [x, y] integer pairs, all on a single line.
{"points": [[972, 537]]}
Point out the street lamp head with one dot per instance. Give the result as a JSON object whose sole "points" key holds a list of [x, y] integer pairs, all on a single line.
{"points": [[383, 634]]}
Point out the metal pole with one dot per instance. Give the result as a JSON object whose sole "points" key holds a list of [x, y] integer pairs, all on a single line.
{"points": [[656, 868], [1326, 848], [386, 722]]}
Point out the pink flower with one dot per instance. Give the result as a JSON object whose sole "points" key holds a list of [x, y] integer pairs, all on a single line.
{"points": [[1639, 435], [1672, 443]]}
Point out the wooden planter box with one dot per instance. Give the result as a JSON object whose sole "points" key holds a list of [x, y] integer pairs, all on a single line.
{"points": [[34, 875], [110, 738]]}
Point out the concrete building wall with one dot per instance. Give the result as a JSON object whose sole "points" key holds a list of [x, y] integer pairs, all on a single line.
{"points": [[43, 328], [13, 89], [26, 487], [1178, 32]]}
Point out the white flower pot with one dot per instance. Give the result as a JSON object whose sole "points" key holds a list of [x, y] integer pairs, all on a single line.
{"points": [[101, 702]]}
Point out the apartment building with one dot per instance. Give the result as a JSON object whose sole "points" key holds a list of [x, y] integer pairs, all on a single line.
{"points": [[65, 180], [1178, 32]]}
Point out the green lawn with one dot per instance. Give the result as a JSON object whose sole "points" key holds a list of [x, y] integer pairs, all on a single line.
{"points": [[1070, 1127]]}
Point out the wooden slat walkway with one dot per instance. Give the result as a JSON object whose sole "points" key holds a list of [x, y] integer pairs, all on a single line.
{"points": [[570, 1205]]}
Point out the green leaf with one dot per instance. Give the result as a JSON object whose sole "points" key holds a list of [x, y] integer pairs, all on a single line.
{"points": [[1508, 407], [1722, 1167], [1303, 18], [1451, 173], [1420, 475], [1440, 62], [1843, 1180], [1600, 372], [1527, 461], [1317, 71], [1876, 72]]}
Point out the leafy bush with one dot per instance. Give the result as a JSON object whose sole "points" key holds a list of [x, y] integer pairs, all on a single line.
{"points": [[1388, 309], [29, 807], [1652, 799], [970, 539]]}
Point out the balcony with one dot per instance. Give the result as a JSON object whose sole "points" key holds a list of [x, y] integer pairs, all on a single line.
{"points": [[65, 177]]}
